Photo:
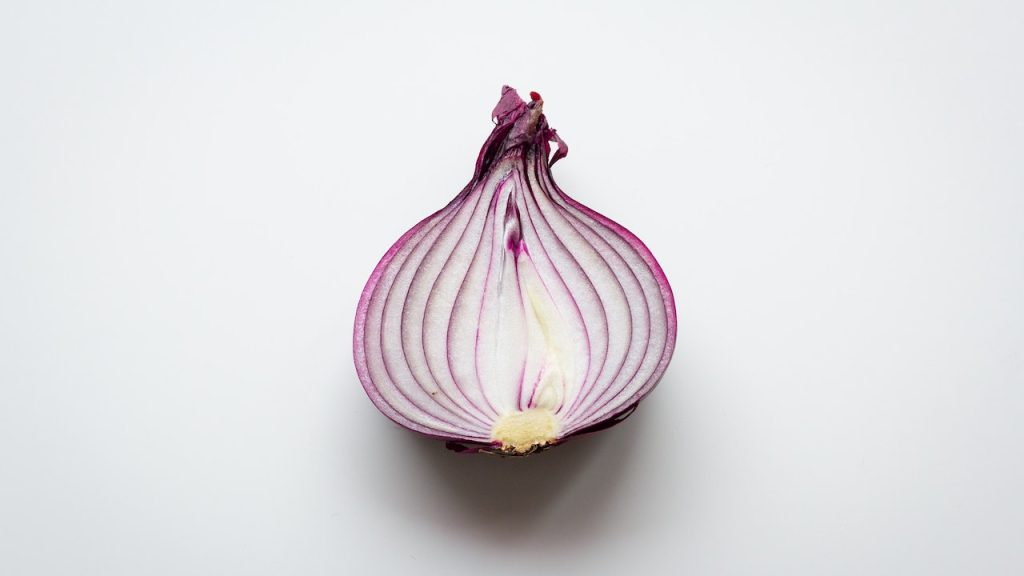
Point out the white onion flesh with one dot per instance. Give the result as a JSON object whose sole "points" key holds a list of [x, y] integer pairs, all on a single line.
{"points": [[514, 317]]}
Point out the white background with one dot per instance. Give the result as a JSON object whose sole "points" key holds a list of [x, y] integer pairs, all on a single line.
{"points": [[192, 196]]}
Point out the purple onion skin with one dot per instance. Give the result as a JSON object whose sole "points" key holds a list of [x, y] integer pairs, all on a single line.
{"points": [[521, 133]]}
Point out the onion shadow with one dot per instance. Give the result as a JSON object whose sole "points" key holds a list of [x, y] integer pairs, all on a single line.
{"points": [[556, 497]]}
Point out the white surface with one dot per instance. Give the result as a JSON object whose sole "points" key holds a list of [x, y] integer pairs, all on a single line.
{"points": [[192, 196]]}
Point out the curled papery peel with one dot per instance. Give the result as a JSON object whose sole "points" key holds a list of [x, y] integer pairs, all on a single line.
{"points": [[514, 317]]}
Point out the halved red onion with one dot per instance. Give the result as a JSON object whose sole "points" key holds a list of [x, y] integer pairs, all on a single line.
{"points": [[514, 317]]}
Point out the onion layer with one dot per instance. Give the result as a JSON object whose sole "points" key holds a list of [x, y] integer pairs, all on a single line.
{"points": [[514, 317]]}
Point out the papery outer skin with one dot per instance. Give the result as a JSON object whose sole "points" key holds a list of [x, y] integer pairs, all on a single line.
{"points": [[517, 155]]}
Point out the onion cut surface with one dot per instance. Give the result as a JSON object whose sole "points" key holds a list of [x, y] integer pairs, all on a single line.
{"points": [[514, 317]]}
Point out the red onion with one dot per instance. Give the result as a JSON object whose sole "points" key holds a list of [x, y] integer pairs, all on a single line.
{"points": [[514, 317]]}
